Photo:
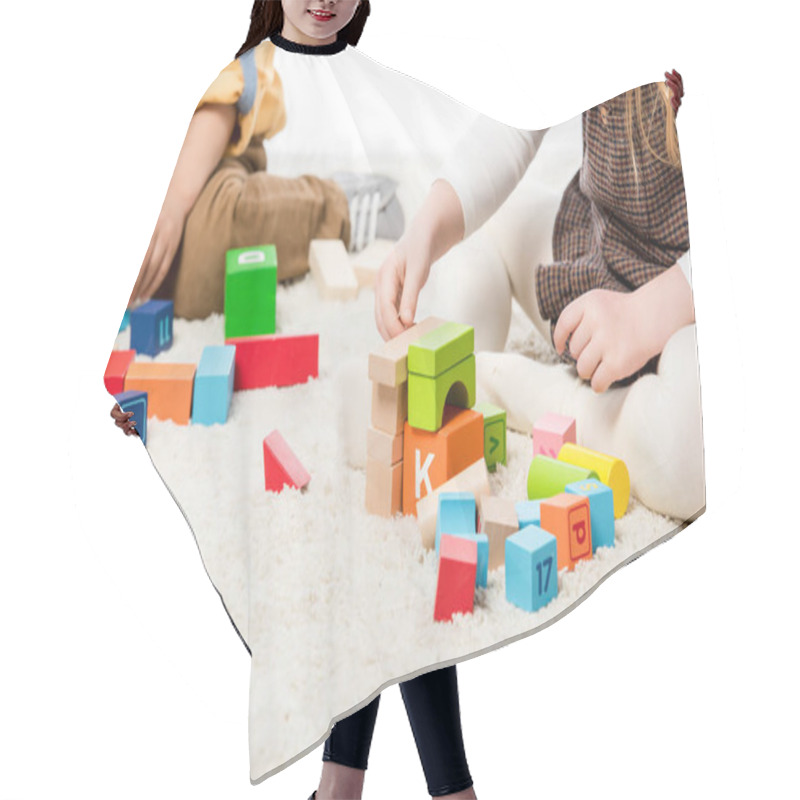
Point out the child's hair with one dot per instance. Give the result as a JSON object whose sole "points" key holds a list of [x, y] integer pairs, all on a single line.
{"points": [[266, 18], [635, 113]]}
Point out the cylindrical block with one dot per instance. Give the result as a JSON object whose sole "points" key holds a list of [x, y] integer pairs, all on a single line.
{"points": [[611, 471], [548, 477]]}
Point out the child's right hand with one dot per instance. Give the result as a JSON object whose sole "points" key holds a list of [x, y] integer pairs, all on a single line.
{"points": [[122, 419]]}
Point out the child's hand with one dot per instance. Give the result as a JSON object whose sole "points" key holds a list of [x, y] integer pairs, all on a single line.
{"points": [[122, 419]]}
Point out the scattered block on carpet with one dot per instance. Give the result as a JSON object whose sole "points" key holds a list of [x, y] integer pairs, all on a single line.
{"points": [[455, 586], [213, 385], [482, 571], [274, 360], [151, 327], [441, 349], [135, 401], [608, 469], [552, 431], [333, 273], [169, 388], [474, 479], [601, 510], [528, 512], [456, 514], [568, 518], [281, 465], [251, 285], [367, 262], [387, 448], [433, 458], [531, 573], [548, 477], [389, 363], [384, 495], [389, 407], [118, 363], [498, 520], [126, 320], [494, 434]]}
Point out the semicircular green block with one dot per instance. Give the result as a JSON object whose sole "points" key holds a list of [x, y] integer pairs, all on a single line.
{"points": [[427, 396], [548, 477]]}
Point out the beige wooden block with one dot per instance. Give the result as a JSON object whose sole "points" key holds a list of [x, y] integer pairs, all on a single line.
{"points": [[330, 265], [384, 495], [389, 363], [368, 261], [384, 447], [389, 407], [498, 520], [475, 478]]}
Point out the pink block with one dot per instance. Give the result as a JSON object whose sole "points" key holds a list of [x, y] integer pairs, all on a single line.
{"points": [[552, 431], [455, 588], [281, 465], [274, 360], [117, 367]]}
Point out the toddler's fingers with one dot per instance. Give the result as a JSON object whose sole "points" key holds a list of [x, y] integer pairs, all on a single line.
{"points": [[588, 362], [411, 289], [569, 319], [602, 378], [579, 339], [389, 286]]}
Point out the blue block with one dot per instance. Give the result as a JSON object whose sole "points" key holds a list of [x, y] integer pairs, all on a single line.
{"points": [[531, 568], [126, 320], [135, 401], [151, 327], [213, 385], [482, 575], [528, 513], [456, 514], [601, 510]]}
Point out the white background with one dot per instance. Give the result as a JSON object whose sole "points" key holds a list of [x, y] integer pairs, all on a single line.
{"points": [[120, 674]]}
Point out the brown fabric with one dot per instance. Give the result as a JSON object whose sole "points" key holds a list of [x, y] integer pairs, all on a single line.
{"points": [[243, 205]]}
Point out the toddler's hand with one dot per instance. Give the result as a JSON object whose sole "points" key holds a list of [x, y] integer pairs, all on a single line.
{"points": [[122, 419], [607, 336]]}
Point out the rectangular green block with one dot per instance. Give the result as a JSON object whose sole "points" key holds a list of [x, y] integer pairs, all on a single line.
{"points": [[441, 349], [427, 396], [251, 283], [494, 434]]}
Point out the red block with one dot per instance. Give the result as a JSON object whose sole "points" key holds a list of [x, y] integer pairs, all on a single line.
{"points": [[118, 364], [281, 465], [274, 360], [455, 588]]}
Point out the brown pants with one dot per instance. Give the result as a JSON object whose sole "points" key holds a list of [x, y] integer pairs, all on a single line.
{"points": [[242, 205]]}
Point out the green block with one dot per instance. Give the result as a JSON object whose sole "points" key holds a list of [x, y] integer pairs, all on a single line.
{"points": [[548, 477], [427, 396], [251, 282], [494, 434], [442, 348]]}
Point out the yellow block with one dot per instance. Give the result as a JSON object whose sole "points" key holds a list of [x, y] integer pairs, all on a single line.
{"points": [[610, 470]]}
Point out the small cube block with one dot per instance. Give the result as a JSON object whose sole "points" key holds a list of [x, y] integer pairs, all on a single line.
{"points": [[568, 518], [389, 407], [151, 327], [531, 572], [135, 401], [498, 520], [281, 465], [455, 586], [213, 385], [456, 514], [251, 284], [528, 513], [494, 434], [550, 432], [601, 510], [118, 363]]}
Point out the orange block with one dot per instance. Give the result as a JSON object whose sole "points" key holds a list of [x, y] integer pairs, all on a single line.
{"points": [[168, 386], [432, 457], [566, 516]]}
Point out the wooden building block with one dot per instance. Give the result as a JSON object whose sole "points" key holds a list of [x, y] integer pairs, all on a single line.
{"points": [[494, 434], [135, 401], [474, 479], [609, 470], [251, 285], [455, 586], [568, 518], [482, 572], [456, 514], [333, 273], [549, 476], [601, 510], [427, 396], [368, 261], [433, 458], [528, 513], [550, 432], [440, 349], [531, 573], [387, 448], [169, 388], [281, 465], [498, 521], [151, 327], [213, 385], [118, 363], [274, 360], [389, 408], [384, 495], [389, 363]]}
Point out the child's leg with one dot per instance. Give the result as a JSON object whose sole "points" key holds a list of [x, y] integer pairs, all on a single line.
{"points": [[654, 425]]}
